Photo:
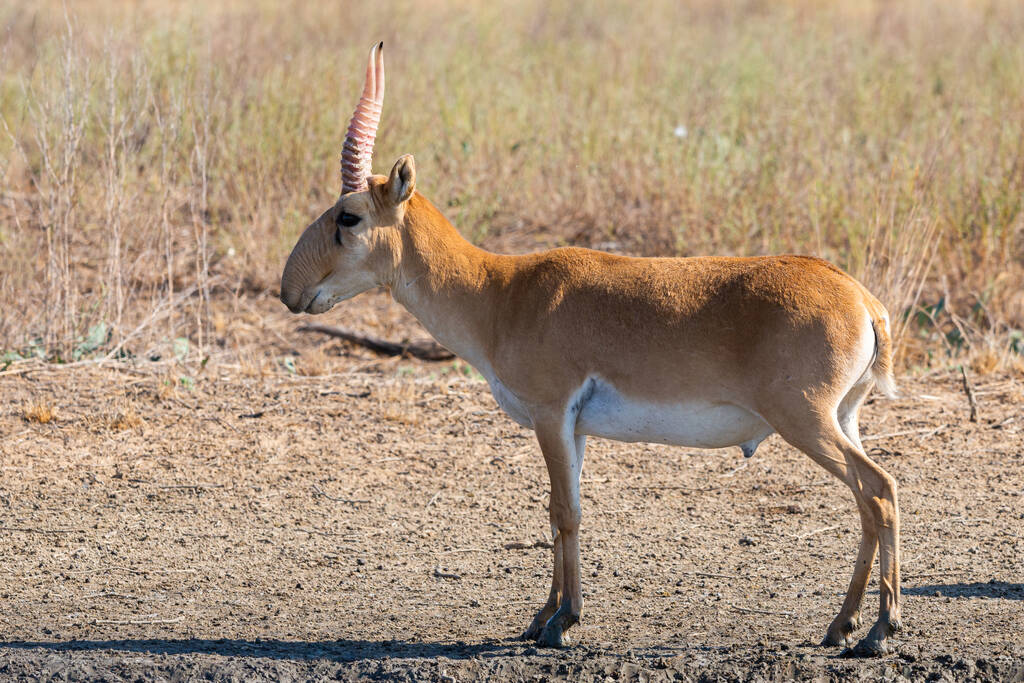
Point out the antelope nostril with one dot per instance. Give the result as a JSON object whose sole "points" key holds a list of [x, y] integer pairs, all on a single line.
{"points": [[310, 304]]}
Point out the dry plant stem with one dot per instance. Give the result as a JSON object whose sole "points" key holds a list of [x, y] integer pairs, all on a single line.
{"points": [[317, 490], [445, 575], [424, 350], [136, 622], [969, 391], [132, 570], [192, 486], [33, 530], [928, 431], [712, 575], [108, 594], [751, 610], [816, 531]]}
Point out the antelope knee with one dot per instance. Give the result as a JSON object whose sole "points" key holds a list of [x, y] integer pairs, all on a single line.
{"points": [[884, 502], [565, 516]]}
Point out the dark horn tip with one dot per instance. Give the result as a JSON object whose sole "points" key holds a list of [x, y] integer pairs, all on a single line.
{"points": [[380, 45]]}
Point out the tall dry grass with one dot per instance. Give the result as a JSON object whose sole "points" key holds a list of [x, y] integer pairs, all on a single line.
{"points": [[160, 158]]}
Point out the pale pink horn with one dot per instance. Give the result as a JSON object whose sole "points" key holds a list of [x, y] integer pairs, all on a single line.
{"points": [[357, 152]]}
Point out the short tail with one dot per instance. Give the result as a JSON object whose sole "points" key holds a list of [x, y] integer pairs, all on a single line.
{"points": [[881, 367]]}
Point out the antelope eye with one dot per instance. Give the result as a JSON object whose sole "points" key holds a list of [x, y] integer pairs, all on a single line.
{"points": [[347, 220]]}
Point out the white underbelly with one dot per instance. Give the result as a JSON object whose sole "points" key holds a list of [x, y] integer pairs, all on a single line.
{"points": [[604, 412], [509, 402], [607, 413]]}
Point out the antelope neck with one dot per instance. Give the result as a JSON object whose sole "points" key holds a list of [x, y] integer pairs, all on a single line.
{"points": [[447, 284]]}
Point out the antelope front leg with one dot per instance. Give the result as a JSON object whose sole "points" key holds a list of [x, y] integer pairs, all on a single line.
{"points": [[532, 632], [563, 454]]}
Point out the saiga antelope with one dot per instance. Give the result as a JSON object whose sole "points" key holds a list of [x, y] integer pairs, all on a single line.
{"points": [[701, 352]]}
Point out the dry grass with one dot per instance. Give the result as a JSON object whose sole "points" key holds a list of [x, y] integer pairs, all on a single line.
{"points": [[41, 413], [397, 402], [124, 417], [159, 159]]}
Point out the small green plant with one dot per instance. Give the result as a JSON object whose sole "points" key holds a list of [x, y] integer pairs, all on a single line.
{"points": [[180, 346], [96, 338], [1016, 340], [8, 358]]}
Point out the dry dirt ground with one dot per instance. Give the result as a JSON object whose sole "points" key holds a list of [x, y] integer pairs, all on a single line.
{"points": [[367, 518]]}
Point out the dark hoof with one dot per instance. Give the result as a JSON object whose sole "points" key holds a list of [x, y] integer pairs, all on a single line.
{"points": [[868, 647], [840, 630], [876, 643], [552, 636], [831, 640], [531, 633]]}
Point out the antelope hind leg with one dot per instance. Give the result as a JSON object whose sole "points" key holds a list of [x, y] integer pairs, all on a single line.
{"points": [[840, 631], [875, 492]]}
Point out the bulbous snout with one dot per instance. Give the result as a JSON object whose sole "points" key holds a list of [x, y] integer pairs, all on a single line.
{"points": [[292, 300], [303, 271]]}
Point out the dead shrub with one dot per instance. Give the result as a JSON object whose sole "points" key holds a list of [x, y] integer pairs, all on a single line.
{"points": [[39, 412]]}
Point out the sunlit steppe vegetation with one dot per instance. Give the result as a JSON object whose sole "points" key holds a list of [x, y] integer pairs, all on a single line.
{"points": [[158, 159]]}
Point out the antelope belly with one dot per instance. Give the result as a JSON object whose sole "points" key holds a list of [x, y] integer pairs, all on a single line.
{"points": [[607, 413], [509, 402]]}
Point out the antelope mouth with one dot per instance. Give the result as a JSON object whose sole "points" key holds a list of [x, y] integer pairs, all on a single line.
{"points": [[309, 306], [300, 304]]}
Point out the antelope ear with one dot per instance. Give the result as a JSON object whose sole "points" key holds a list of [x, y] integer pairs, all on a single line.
{"points": [[402, 181]]}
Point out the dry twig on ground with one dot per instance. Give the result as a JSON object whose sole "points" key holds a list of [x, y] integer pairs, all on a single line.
{"points": [[424, 350]]}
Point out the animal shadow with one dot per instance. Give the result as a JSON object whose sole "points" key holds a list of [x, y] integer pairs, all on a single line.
{"points": [[978, 589], [336, 650]]}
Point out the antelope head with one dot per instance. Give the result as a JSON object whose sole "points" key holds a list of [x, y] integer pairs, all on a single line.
{"points": [[354, 245]]}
